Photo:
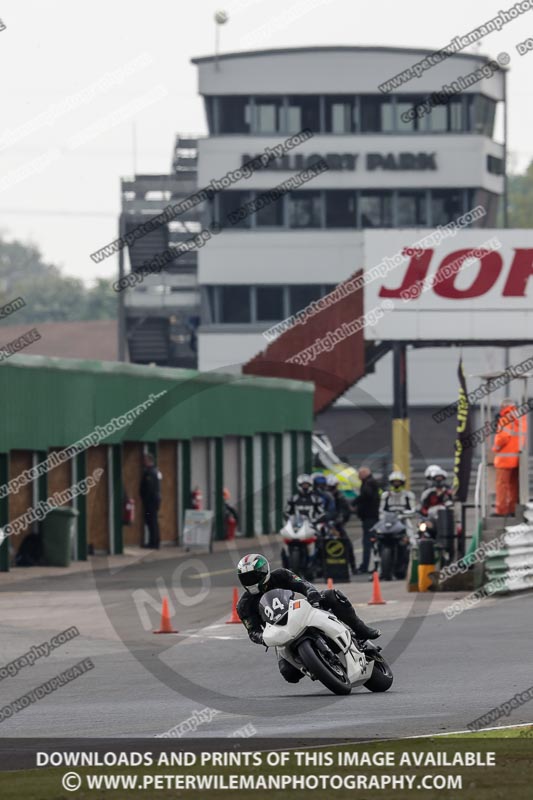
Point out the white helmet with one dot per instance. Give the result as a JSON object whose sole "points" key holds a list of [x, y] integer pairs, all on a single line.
{"points": [[431, 470], [333, 481], [301, 479], [439, 476], [397, 476]]}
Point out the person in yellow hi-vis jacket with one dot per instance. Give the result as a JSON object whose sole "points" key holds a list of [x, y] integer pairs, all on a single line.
{"points": [[508, 443]]}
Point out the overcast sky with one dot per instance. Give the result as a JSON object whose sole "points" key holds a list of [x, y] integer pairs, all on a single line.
{"points": [[95, 70]]}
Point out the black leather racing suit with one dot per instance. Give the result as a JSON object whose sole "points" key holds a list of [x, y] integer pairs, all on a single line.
{"points": [[330, 600], [308, 504]]}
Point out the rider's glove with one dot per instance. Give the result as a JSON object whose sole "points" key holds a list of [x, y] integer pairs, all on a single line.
{"points": [[314, 597], [256, 637]]}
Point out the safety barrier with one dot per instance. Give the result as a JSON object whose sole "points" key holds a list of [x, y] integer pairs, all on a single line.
{"points": [[510, 569]]}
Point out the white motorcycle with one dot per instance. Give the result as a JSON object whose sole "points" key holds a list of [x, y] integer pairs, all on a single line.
{"points": [[321, 646], [299, 545]]}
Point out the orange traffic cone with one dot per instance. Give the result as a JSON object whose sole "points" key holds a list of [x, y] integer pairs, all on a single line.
{"points": [[234, 619], [377, 599], [330, 583], [166, 625]]}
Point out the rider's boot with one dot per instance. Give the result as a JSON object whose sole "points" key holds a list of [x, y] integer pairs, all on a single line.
{"points": [[348, 615], [362, 630]]}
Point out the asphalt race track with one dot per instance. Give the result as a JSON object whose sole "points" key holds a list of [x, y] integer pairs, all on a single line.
{"points": [[447, 673]]}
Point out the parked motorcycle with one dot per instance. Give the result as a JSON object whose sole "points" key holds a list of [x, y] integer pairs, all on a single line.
{"points": [[392, 541], [320, 646], [299, 544]]}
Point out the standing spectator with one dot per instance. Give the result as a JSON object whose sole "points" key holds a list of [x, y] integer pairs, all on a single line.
{"points": [[508, 443], [231, 517], [438, 494], [366, 505], [150, 491]]}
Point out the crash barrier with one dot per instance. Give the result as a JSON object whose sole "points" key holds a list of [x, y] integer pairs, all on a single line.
{"points": [[468, 557], [335, 560], [510, 569]]}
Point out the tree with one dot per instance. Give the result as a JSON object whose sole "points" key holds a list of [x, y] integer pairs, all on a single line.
{"points": [[521, 199], [49, 295], [100, 301]]}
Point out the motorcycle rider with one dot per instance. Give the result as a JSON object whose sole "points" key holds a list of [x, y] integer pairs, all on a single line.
{"points": [[399, 499], [438, 494], [327, 528], [428, 474], [305, 502], [320, 488], [340, 516], [256, 577]]}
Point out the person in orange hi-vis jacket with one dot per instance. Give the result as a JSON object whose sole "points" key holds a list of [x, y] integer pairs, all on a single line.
{"points": [[508, 443]]}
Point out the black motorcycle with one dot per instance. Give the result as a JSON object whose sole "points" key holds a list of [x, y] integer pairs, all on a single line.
{"points": [[439, 526], [429, 527], [391, 540]]}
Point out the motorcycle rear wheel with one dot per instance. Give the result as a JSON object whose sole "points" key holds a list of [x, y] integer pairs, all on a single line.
{"points": [[381, 678], [318, 666]]}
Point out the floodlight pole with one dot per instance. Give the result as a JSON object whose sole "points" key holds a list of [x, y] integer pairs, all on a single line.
{"points": [[217, 43], [121, 315], [505, 130], [400, 420]]}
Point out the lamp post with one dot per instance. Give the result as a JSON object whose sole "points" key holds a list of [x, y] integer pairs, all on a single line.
{"points": [[221, 17]]}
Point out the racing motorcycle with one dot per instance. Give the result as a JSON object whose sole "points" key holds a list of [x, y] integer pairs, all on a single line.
{"points": [[322, 647], [299, 546], [392, 540]]}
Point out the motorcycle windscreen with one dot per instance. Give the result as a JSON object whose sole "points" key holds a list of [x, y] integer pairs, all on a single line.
{"points": [[274, 606], [389, 524]]}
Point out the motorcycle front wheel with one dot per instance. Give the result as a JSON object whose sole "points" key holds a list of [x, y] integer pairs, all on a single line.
{"points": [[295, 562], [328, 671], [386, 556]]}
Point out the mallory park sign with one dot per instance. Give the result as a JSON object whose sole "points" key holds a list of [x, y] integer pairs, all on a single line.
{"points": [[352, 161]]}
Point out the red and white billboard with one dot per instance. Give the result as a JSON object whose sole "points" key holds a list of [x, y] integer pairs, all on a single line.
{"points": [[449, 285]]}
